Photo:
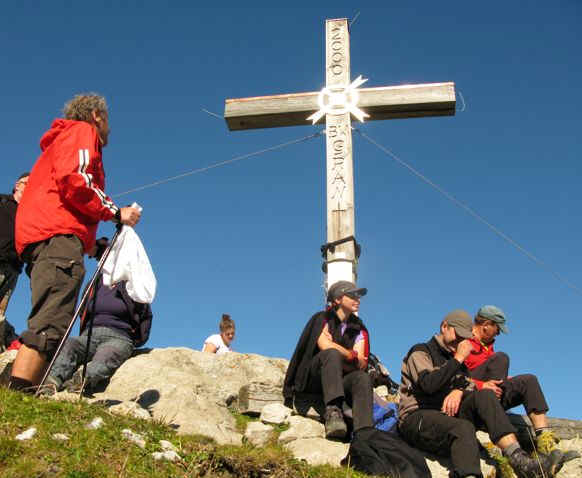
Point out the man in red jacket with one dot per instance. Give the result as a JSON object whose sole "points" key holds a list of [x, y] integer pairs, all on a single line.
{"points": [[489, 371], [56, 223]]}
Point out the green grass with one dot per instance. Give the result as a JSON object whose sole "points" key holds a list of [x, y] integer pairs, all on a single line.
{"points": [[104, 453]]}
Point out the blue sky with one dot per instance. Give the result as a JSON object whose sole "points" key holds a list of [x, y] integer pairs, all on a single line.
{"points": [[244, 238]]}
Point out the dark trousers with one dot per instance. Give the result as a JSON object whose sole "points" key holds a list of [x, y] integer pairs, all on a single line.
{"points": [[326, 376], [524, 390], [495, 367], [8, 279], [435, 432], [519, 390], [56, 271]]}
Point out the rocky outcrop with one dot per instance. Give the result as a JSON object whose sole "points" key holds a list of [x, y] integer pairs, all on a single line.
{"points": [[196, 392], [191, 390]]}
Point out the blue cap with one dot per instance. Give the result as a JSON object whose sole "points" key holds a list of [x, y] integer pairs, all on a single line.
{"points": [[495, 314]]}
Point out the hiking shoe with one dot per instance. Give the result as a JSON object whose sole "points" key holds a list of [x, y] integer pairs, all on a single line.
{"points": [[47, 390], [335, 426], [540, 466], [546, 442], [75, 383], [562, 458]]}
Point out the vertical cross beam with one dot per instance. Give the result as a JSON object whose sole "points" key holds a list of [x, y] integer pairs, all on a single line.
{"points": [[341, 260], [336, 102]]}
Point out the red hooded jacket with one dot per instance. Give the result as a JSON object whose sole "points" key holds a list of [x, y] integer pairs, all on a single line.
{"points": [[65, 194]]}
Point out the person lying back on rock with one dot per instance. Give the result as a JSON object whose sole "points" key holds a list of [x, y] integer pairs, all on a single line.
{"points": [[331, 358], [440, 408], [489, 371]]}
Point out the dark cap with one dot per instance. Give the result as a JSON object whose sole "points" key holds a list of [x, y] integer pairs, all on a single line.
{"points": [[344, 287], [495, 314], [460, 321], [23, 175]]}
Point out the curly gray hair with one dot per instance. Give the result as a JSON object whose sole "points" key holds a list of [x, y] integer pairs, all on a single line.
{"points": [[81, 106]]}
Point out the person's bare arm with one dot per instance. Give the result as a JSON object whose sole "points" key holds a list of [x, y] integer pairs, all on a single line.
{"points": [[208, 347], [452, 402], [494, 386], [463, 350], [325, 342]]}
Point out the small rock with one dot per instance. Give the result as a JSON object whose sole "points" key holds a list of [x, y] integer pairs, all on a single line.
{"points": [[166, 455], [258, 434], [318, 451], [167, 446], [96, 423], [131, 409], [134, 437], [60, 437], [26, 435], [301, 427], [275, 413]]}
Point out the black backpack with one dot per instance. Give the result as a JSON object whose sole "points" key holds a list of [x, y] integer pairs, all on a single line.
{"points": [[380, 374], [376, 452]]}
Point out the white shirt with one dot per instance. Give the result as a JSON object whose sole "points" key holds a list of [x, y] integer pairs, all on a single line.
{"points": [[216, 340]]}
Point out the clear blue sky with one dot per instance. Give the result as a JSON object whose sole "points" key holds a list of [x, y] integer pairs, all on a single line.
{"points": [[244, 238]]}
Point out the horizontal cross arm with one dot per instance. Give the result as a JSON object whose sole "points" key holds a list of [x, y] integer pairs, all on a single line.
{"points": [[404, 101]]}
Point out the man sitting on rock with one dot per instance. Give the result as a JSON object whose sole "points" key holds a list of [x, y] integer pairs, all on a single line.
{"points": [[440, 408], [489, 371], [331, 358], [120, 324]]}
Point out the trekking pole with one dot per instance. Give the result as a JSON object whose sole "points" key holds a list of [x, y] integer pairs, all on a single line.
{"points": [[80, 306], [91, 316]]}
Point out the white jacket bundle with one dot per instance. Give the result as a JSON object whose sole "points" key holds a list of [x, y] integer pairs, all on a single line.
{"points": [[129, 262]]}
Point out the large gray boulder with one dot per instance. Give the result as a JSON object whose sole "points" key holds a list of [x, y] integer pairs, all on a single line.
{"points": [[192, 390]]}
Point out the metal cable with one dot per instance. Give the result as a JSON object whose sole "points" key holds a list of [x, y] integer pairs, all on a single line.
{"points": [[477, 216], [221, 163]]}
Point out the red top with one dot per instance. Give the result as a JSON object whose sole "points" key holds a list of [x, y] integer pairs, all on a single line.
{"points": [[478, 356], [65, 194]]}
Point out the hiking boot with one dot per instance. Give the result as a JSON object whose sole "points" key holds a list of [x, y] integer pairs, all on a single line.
{"points": [[546, 442], [335, 426], [49, 388], [562, 458], [541, 466], [75, 383]]}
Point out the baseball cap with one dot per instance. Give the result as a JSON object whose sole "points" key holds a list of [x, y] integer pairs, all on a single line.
{"points": [[460, 321], [344, 287], [495, 314]]}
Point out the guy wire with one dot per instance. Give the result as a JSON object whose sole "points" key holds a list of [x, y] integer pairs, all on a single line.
{"points": [[477, 216], [220, 163]]}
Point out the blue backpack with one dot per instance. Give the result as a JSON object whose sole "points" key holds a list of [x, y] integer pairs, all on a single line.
{"points": [[385, 414]]}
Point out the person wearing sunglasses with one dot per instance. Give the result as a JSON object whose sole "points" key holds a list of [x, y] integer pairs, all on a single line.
{"points": [[330, 360]]}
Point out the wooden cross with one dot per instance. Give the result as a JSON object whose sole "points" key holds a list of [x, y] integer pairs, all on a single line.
{"points": [[336, 102]]}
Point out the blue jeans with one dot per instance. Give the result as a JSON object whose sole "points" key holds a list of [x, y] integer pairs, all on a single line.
{"points": [[108, 350]]}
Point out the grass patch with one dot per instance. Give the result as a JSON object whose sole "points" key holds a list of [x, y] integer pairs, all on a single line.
{"points": [[242, 420], [104, 453]]}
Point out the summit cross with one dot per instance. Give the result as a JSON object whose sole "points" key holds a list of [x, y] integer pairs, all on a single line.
{"points": [[340, 99]]}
